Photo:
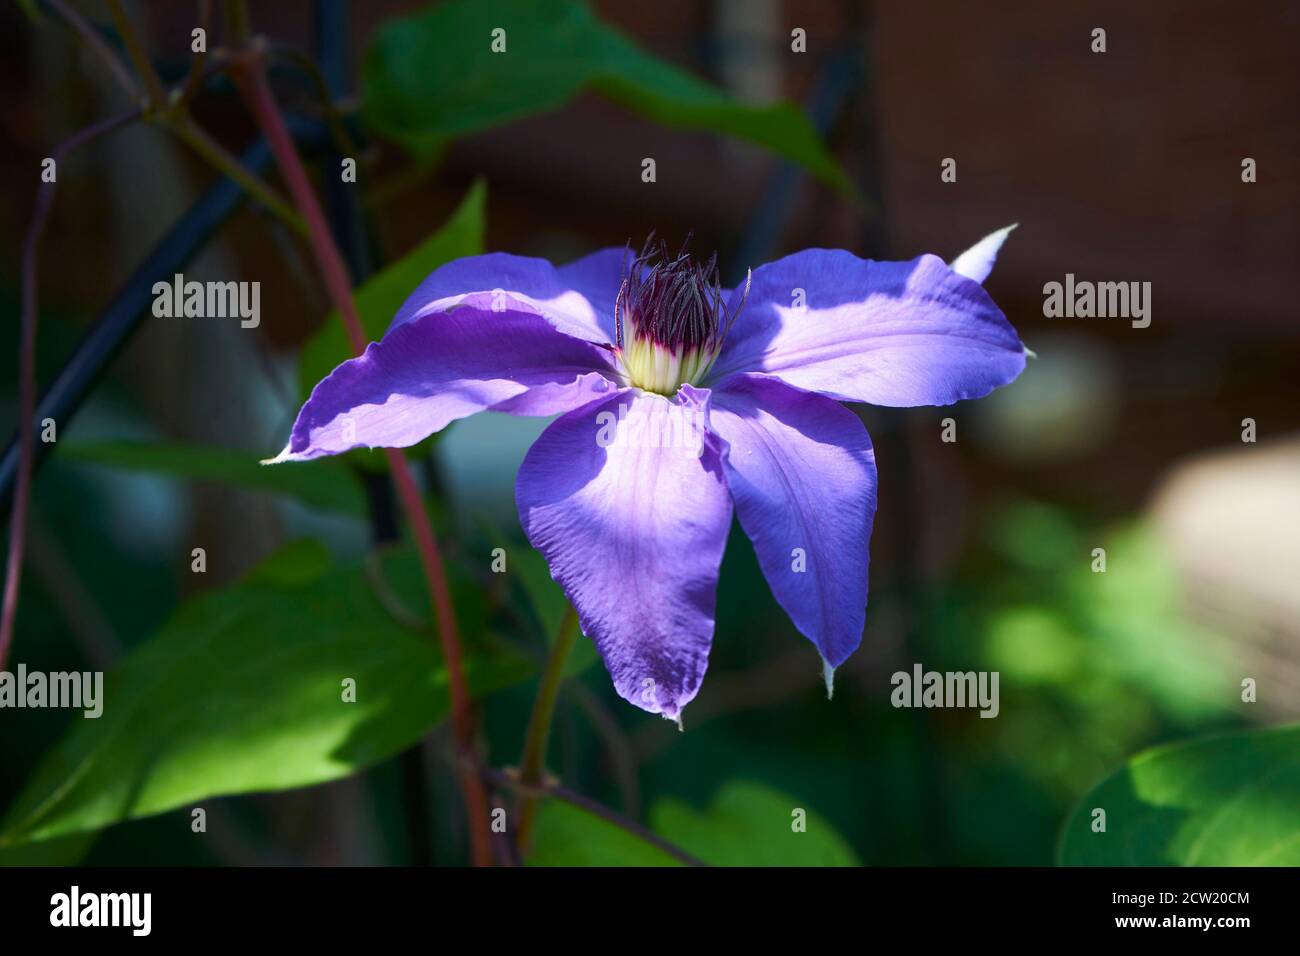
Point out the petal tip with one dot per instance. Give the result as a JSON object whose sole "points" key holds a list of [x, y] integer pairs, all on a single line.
{"points": [[828, 675], [977, 262]]}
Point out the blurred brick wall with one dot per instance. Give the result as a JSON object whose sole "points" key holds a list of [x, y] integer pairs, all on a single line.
{"points": [[1122, 165]]}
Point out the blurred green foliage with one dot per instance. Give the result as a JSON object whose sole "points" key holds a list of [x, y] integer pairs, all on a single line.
{"points": [[423, 84], [324, 483]]}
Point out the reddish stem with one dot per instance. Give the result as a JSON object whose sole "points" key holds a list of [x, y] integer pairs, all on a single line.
{"points": [[462, 720], [27, 377], [251, 78]]}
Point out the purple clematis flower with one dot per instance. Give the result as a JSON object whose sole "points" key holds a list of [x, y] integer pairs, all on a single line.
{"points": [[678, 400]]}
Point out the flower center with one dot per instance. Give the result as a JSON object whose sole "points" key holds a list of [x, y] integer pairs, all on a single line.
{"points": [[671, 319]]}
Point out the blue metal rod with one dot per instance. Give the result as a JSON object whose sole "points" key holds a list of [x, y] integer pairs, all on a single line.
{"points": [[123, 315]]}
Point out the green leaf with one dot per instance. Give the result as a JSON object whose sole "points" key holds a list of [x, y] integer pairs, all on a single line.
{"points": [[324, 483], [528, 570], [433, 76], [674, 97], [1228, 800], [61, 851], [544, 594], [379, 298], [242, 691], [751, 824], [567, 836]]}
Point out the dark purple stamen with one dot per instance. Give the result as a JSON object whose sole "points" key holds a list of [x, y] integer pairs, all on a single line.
{"points": [[676, 302]]}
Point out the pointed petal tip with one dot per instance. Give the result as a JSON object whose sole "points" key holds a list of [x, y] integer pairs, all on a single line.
{"points": [[278, 459], [977, 262], [828, 675], [674, 718]]}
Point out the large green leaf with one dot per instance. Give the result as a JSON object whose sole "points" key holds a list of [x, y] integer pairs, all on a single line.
{"points": [[434, 76], [749, 824], [379, 298], [1229, 800], [61, 851], [242, 691], [323, 483], [568, 836]]}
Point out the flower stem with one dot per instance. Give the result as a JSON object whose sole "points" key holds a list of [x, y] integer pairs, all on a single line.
{"points": [[533, 761], [462, 719], [250, 76]]}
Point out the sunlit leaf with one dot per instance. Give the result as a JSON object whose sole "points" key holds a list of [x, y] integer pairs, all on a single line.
{"points": [[750, 824], [1228, 800], [243, 691], [568, 836]]}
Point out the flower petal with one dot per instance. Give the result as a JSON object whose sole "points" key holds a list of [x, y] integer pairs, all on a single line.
{"points": [[633, 523], [578, 298], [803, 476], [977, 262], [889, 333], [430, 371]]}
